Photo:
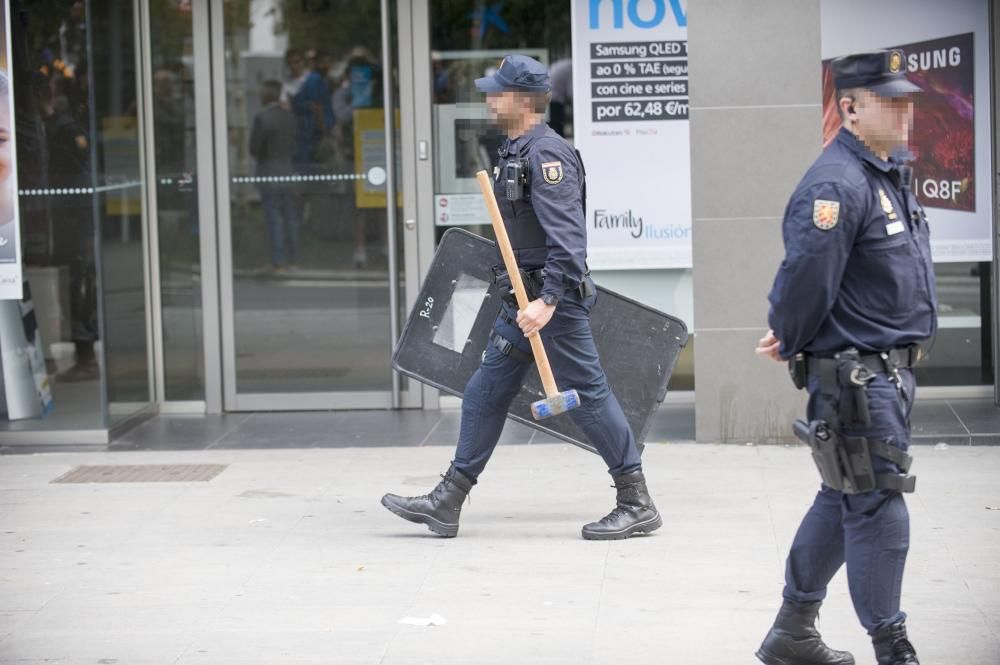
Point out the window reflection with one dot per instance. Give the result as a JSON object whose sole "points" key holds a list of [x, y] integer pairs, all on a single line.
{"points": [[307, 163], [80, 204]]}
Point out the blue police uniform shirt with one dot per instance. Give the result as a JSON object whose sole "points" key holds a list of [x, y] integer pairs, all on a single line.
{"points": [[857, 268], [547, 227]]}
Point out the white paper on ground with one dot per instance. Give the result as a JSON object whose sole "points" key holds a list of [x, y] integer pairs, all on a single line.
{"points": [[432, 620]]}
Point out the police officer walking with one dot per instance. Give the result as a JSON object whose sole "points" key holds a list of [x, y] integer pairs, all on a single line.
{"points": [[539, 186], [851, 301]]}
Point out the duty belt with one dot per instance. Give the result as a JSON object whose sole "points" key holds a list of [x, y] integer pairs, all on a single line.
{"points": [[802, 366], [533, 281], [844, 378], [903, 357]]}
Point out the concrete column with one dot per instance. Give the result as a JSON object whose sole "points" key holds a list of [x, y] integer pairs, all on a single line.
{"points": [[755, 128]]}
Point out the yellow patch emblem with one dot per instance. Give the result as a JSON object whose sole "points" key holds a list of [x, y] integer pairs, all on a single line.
{"points": [[826, 214], [895, 62], [886, 204], [552, 172]]}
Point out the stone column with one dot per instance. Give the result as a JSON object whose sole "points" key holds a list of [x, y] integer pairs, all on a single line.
{"points": [[756, 127]]}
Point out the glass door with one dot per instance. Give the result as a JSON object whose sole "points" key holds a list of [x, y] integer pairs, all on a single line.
{"points": [[462, 42], [310, 256], [81, 211]]}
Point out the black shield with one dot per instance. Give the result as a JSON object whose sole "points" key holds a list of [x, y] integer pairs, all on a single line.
{"points": [[448, 329]]}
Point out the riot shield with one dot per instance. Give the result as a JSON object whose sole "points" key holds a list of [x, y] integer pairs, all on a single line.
{"points": [[447, 332]]}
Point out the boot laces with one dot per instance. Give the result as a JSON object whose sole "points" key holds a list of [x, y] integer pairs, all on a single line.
{"points": [[432, 495], [616, 513], [901, 647], [450, 481], [900, 644]]}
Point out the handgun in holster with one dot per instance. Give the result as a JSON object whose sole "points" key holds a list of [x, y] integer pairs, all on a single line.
{"points": [[844, 462]]}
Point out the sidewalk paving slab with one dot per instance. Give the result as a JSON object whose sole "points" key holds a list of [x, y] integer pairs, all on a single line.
{"points": [[287, 557]]}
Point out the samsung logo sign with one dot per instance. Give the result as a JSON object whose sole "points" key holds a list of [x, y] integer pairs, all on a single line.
{"points": [[644, 14]]}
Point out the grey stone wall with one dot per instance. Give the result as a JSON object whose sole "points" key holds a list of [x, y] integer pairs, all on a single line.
{"points": [[755, 127]]}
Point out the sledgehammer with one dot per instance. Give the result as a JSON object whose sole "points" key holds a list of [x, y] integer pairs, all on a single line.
{"points": [[555, 402]]}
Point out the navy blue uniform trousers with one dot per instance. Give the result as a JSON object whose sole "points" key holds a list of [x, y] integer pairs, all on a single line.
{"points": [[870, 532], [569, 344]]}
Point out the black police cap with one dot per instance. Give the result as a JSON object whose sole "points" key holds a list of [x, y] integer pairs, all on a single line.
{"points": [[882, 72], [517, 72]]}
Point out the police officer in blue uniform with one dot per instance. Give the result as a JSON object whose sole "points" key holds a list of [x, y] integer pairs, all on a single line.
{"points": [[539, 186], [852, 300]]}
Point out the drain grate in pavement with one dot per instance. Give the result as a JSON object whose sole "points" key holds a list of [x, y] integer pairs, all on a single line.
{"points": [[142, 473]]}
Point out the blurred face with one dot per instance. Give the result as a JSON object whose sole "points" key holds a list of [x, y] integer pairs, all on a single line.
{"points": [[506, 108], [268, 95], [883, 123], [296, 64]]}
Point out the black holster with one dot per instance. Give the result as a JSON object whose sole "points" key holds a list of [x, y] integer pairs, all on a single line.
{"points": [[845, 462], [843, 386], [532, 280], [798, 369], [853, 377]]}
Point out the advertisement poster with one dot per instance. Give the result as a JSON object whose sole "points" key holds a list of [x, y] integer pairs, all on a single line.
{"points": [[947, 56], [630, 101], [10, 246], [369, 158]]}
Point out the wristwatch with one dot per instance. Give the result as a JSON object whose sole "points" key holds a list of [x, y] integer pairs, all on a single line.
{"points": [[549, 298]]}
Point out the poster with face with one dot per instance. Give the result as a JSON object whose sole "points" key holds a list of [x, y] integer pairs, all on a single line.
{"points": [[10, 255], [946, 48], [943, 138]]}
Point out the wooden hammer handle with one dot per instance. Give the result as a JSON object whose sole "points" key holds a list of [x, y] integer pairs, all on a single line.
{"points": [[507, 252]]}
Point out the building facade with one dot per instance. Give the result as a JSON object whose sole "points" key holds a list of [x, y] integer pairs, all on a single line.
{"points": [[205, 225]]}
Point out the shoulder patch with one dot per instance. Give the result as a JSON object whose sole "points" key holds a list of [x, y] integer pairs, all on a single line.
{"points": [[552, 172], [826, 214]]}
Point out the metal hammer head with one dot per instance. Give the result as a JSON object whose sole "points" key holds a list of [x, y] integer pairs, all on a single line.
{"points": [[553, 406]]}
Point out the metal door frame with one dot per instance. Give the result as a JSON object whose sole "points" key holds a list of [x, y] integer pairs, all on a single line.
{"points": [[217, 285], [418, 143], [994, 46], [208, 241]]}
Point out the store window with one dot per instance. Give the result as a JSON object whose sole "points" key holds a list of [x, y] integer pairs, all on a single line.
{"points": [[961, 353], [80, 209], [468, 40], [308, 208]]}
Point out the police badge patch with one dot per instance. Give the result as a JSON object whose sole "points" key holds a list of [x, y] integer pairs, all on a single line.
{"points": [[887, 208], [826, 214], [552, 172]]}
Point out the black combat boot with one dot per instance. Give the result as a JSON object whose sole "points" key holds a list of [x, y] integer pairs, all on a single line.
{"points": [[794, 640], [892, 646], [635, 512], [440, 509]]}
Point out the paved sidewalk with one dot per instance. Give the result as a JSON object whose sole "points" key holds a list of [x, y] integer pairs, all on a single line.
{"points": [[286, 557]]}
